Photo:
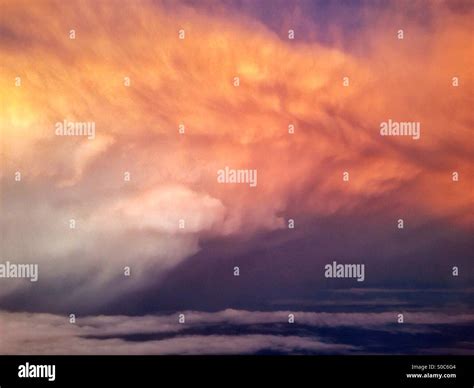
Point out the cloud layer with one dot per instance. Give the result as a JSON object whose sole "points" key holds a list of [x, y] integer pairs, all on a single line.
{"points": [[53, 334]]}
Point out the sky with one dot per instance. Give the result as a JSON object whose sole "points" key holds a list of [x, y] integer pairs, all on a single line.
{"points": [[142, 70]]}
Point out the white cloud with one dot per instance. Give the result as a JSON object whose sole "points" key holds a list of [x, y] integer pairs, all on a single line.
{"points": [[27, 333]]}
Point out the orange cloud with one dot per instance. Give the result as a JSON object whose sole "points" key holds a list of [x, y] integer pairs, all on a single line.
{"points": [[191, 82]]}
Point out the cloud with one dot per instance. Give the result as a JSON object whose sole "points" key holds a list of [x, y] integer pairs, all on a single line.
{"points": [[54, 335], [186, 345], [190, 82], [36, 333], [140, 232]]}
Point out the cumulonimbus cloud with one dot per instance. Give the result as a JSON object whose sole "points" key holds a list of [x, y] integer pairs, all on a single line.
{"points": [[191, 82]]}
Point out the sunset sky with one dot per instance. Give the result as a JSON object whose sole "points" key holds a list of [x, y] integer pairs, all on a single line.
{"points": [[128, 71]]}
